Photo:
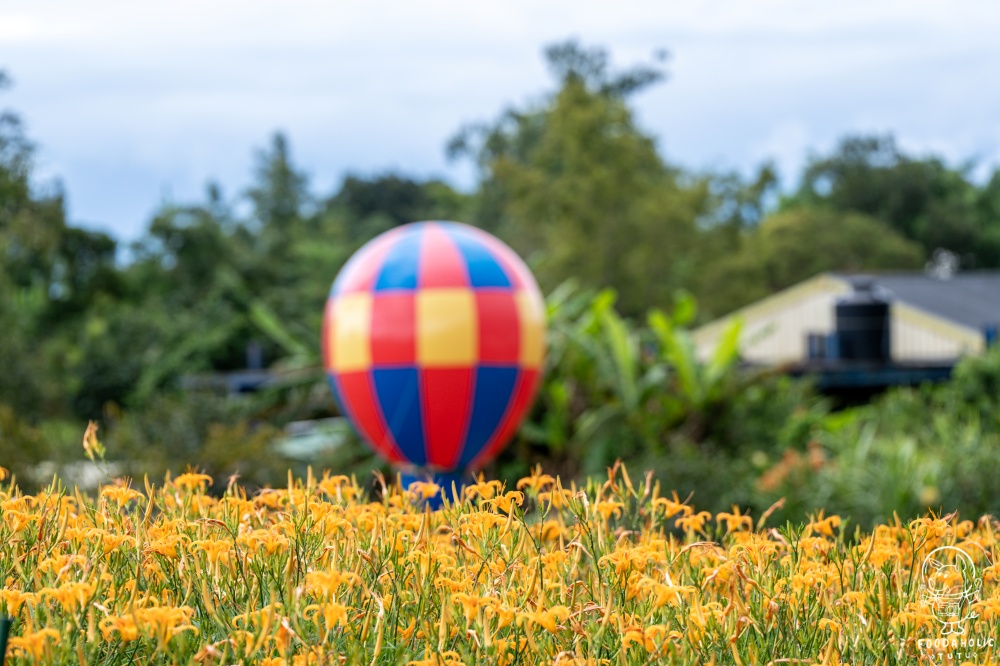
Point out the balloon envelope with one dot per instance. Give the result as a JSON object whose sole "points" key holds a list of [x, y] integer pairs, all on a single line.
{"points": [[433, 342]]}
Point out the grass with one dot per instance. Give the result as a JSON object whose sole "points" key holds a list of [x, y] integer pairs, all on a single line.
{"points": [[615, 572]]}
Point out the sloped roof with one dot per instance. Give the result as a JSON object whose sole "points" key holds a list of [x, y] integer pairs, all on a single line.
{"points": [[969, 299]]}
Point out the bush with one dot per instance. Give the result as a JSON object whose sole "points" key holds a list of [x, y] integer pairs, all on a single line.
{"points": [[933, 447], [22, 446], [214, 434]]}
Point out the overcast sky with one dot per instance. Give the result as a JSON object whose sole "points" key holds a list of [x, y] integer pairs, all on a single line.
{"points": [[134, 103]]}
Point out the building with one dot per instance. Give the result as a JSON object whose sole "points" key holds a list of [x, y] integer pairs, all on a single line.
{"points": [[932, 319], [857, 335]]}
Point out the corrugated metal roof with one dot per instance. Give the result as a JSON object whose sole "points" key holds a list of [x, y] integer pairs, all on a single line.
{"points": [[970, 299]]}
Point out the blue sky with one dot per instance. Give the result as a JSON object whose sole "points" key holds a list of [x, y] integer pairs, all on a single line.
{"points": [[132, 104]]}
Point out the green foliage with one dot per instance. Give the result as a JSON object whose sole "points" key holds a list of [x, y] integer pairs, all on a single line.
{"points": [[912, 450], [613, 389], [209, 432], [976, 383], [22, 446], [23, 384], [582, 192], [371, 206], [784, 250], [922, 199]]}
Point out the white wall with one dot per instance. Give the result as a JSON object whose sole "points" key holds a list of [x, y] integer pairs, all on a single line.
{"points": [[774, 331]]}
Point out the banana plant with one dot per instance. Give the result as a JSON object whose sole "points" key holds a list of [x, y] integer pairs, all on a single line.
{"points": [[698, 383], [613, 388]]}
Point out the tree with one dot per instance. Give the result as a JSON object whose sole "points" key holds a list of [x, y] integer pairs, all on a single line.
{"points": [[922, 199], [987, 206], [49, 274], [798, 243], [185, 247], [280, 192], [570, 62], [369, 206], [578, 189]]}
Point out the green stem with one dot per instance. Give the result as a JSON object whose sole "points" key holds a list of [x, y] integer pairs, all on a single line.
{"points": [[5, 624]]}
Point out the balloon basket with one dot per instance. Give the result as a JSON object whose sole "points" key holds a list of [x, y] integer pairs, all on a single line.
{"points": [[450, 485]]}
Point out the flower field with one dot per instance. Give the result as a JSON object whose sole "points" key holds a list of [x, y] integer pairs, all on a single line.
{"points": [[617, 572]]}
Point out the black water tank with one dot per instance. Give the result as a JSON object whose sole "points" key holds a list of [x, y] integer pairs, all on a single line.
{"points": [[863, 325]]}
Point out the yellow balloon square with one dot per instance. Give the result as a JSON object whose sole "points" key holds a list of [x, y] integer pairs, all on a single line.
{"points": [[350, 332], [447, 327], [531, 317]]}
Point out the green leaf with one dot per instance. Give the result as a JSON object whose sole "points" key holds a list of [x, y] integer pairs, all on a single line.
{"points": [[678, 351], [726, 354], [603, 301], [176, 359], [685, 307], [624, 354], [590, 422], [270, 324]]}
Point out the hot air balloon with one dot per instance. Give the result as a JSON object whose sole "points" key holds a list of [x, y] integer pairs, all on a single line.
{"points": [[433, 343]]}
